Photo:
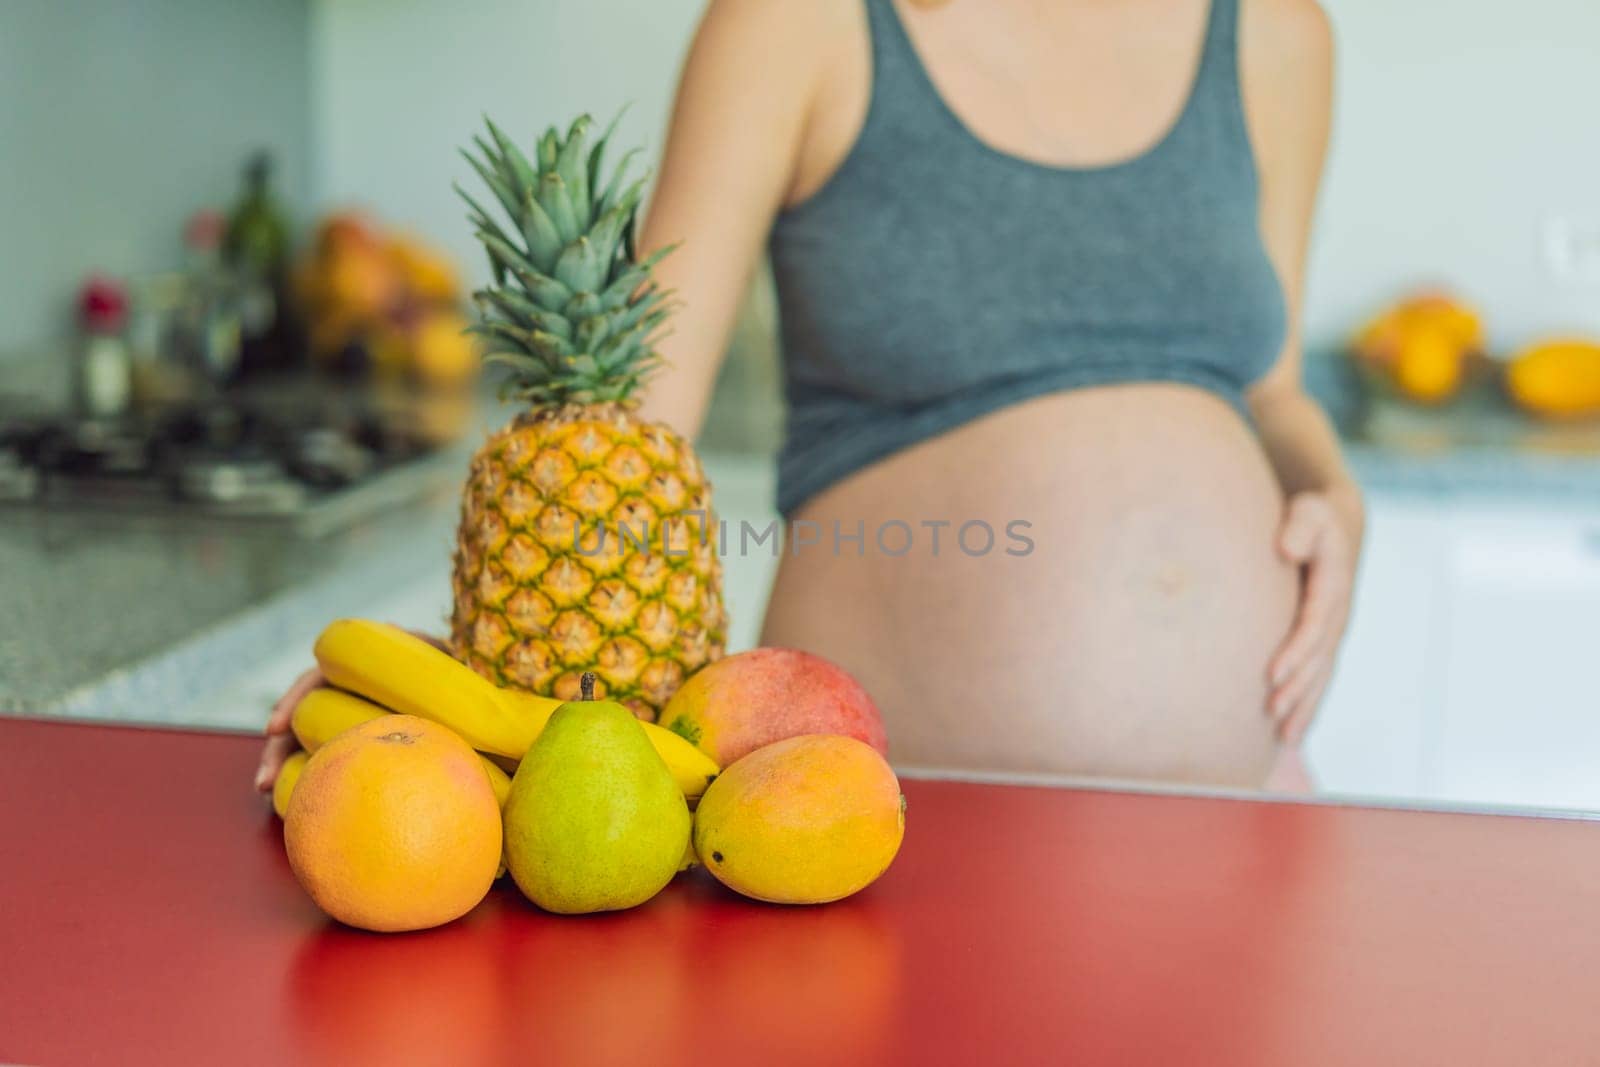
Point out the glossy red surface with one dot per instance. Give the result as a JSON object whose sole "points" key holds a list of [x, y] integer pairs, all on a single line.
{"points": [[147, 915]]}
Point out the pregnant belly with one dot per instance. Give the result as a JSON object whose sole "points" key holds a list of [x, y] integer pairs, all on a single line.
{"points": [[1128, 638]]}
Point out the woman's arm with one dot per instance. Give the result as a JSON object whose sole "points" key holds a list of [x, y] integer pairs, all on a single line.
{"points": [[737, 126], [1286, 59]]}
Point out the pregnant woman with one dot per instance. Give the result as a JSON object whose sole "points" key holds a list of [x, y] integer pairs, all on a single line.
{"points": [[1039, 265]]}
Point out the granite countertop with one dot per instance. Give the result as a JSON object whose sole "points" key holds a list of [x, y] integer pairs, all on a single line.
{"points": [[92, 597], [142, 618]]}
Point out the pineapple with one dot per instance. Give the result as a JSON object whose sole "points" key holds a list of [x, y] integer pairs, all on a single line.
{"points": [[585, 538]]}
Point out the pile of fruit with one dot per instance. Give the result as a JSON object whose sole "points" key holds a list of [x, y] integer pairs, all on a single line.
{"points": [[383, 304], [420, 783], [583, 572], [1429, 347], [1426, 346]]}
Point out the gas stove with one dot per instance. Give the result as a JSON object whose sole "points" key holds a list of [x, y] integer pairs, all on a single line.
{"points": [[229, 457]]}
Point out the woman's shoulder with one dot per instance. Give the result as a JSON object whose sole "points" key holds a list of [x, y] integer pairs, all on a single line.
{"points": [[791, 24], [1291, 31], [1286, 64]]}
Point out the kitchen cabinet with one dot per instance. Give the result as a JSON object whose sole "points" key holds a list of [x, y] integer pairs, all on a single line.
{"points": [[1468, 674], [1371, 733], [1521, 720]]}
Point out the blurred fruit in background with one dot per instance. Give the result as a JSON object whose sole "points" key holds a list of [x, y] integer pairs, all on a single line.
{"points": [[1557, 379], [383, 305], [424, 273], [1426, 347], [442, 352]]}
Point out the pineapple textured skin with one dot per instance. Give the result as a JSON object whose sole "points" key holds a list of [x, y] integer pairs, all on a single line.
{"points": [[586, 533], [587, 543]]}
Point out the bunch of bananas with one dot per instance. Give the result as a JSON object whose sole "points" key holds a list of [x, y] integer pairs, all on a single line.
{"points": [[377, 669]]}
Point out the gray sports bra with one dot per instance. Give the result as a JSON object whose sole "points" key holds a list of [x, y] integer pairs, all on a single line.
{"points": [[933, 279]]}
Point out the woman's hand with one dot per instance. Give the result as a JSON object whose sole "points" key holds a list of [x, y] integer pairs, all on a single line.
{"points": [[1321, 535], [280, 739]]}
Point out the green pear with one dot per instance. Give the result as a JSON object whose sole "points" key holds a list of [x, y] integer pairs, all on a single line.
{"points": [[595, 820]]}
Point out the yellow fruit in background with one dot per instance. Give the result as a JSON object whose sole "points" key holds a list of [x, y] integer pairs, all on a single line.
{"points": [[427, 276], [802, 821], [443, 354], [1429, 366], [1418, 332], [356, 283], [1557, 379], [394, 826], [288, 775], [1445, 313]]}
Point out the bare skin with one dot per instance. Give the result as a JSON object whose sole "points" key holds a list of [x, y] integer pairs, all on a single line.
{"points": [[1155, 630], [1128, 642]]}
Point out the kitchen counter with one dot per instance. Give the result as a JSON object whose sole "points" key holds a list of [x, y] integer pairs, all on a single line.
{"points": [[94, 601], [155, 619], [1516, 477], [149, 916]]}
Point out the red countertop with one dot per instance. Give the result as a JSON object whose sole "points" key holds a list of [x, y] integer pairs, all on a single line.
{"points": [[147, 915]]}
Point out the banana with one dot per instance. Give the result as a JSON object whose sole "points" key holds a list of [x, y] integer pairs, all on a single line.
{"points": [[499, 780], [288, 775], [396, 671], [404, 673], [692, 769], [505, 763], [323, 714]]}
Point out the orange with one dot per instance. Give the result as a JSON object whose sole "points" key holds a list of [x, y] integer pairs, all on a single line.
{"points": [[1429, 366], [393, 825], [1557, 379]]}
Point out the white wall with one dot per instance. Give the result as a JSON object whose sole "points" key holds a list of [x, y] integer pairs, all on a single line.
{"points": [[1462, 125], [118, 119], [399, 85]]}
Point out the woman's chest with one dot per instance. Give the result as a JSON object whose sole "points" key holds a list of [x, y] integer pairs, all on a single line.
{"points": [[941, 280]]}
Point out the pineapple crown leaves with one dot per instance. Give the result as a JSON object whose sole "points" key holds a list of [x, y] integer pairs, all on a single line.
{"points": [[572, 311]]}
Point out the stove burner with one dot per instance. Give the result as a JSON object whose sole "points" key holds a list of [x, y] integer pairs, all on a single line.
{"points": [[226, 456]]}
